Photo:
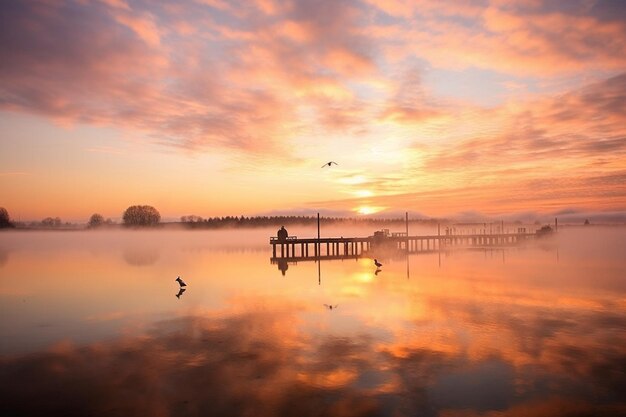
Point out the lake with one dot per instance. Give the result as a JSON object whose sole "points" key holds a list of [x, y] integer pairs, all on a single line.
{"points": [[92, 323]]}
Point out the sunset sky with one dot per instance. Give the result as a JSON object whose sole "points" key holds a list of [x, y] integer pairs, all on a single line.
{"points": [[216, 107]]}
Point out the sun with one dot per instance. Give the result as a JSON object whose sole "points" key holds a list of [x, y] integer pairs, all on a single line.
{"points": [[368, 209]]}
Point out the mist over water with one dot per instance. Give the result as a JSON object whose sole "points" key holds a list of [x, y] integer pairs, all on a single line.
{"points": [[93, 323]]}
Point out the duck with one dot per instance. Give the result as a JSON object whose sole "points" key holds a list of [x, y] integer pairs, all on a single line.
{"points": [[378, 264], [180, 282]]}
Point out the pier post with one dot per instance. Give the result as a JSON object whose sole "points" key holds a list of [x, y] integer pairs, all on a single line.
{"points": [[439, 233], [407, 230], [317, 248]]}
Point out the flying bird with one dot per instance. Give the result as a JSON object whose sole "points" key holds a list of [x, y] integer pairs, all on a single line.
{"points": [[180, 282], [330, 306], [327, 164], [378, 264]]}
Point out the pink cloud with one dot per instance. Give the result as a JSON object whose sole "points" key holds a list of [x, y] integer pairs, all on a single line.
{"points": [[144, 26], [118, 4], [211, 73], [110, 69], [516, 38]]}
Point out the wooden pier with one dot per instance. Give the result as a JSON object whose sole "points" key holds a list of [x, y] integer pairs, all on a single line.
{"points": [[303, 249]]}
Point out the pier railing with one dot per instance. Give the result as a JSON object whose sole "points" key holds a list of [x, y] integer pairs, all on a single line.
{"points": [[299, 249]]}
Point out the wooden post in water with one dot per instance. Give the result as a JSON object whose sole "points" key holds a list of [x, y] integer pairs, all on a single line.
{"points": [[407, 230], [407, 224], [556, 225], [439, 235], [318, 234]]}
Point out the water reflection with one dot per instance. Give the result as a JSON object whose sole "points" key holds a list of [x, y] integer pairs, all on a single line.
{"points": [[477, 334], [141, 256], [180, 292], [4, 257], [283, 266], [261, 364]]}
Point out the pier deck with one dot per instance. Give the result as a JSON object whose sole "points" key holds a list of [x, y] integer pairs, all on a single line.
{"points": [[300, 249]]}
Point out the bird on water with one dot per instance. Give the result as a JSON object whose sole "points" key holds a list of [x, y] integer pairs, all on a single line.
{"points": [[378, 264], [327, 164], [180, 282]]}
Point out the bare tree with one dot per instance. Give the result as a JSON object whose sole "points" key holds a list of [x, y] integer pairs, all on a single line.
{"points": [[5, 220], [141, 216], [96, 220]]}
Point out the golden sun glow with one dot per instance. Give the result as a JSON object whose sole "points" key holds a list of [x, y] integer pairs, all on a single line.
{"points": [[363, 193], [368, 209]]}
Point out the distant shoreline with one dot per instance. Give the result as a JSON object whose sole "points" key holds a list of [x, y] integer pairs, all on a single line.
{"points": [[380, 223]]}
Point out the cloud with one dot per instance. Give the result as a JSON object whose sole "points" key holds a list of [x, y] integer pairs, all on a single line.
{"points": [[205, 74], [261, 80], [584, 124], [532, 38], [74, 62], [241, 80]]}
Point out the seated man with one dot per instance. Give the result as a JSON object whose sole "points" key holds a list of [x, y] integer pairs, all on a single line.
{"points": [[282, 233]]}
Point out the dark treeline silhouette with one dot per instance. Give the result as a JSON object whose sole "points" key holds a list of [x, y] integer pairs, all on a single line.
{"points": [[97, 220], [193, 221], [141, 216], [46, 223], [51, 222], [5, 220]]}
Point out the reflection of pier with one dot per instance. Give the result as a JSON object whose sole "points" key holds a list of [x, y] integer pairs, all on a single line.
{"points": [[311, 249]]}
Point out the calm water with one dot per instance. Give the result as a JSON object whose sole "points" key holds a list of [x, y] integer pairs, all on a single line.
{"points": [[90, 324]]}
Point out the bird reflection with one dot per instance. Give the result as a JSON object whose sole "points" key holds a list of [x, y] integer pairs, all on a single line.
{"points": [[377, 271], [180, 292], [330, 306]]}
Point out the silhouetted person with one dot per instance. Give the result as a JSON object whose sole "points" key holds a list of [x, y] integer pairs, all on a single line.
{"points": [[282, 233], [180, 292]]}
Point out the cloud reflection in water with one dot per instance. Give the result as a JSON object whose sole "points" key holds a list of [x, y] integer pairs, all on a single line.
{"points": [[259, 363]]}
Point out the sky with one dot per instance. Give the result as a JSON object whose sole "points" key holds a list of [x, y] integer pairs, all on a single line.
{"points": [[459, 109]]}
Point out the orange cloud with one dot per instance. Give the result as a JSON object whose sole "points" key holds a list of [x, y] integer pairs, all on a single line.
{"points": [[267, 78]]}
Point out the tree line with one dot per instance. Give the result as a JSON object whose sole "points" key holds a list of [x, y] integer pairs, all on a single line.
{"points": [[193, 221], [148, 216]]}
